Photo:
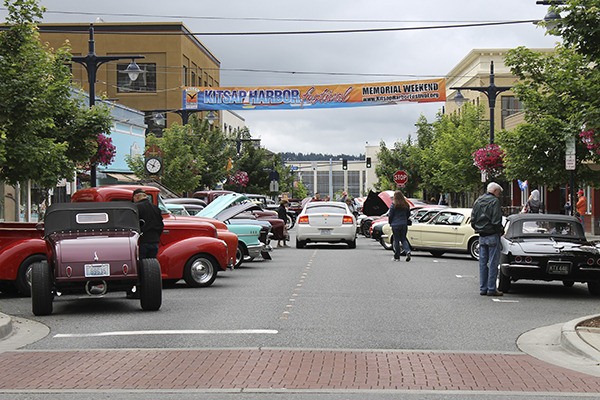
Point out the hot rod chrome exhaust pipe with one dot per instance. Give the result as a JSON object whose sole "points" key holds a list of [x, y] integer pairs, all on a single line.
{"points": [[96, 288]]}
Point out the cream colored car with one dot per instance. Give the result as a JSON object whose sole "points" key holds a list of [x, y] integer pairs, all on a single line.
{"points": [[448, 232]]}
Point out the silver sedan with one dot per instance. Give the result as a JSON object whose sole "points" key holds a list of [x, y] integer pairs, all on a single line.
{"points": [[326, 221]]}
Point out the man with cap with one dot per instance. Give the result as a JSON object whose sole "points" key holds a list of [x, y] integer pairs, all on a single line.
{"points": [[151, 227], [486, 220]]}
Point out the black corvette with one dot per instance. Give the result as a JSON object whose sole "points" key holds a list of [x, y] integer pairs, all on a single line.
{"points": [[548, 247]]}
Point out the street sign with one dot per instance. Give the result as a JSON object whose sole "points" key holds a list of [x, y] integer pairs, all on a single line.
{"points": [[400, 177], [570, 162]]}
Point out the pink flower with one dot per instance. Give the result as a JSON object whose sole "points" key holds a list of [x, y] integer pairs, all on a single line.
{"points": [[240, 178], [106, 152], [588, 138], [489, 159]]}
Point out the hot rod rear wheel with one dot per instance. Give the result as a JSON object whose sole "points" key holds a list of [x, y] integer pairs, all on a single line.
{"points": [[200, 271], [41, 289], [150, 286], [594, 288]]}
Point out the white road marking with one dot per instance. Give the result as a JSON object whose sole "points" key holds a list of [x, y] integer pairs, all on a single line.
{"points": [[465, 276], [505, 301], [169, 332]]}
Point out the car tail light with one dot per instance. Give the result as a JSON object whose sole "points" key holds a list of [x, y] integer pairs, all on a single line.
{"points": [[303, 219], [590, 261], [348, 220], [518, 259], [598, 261], [528, 260], [125, 269], [69, 271]]}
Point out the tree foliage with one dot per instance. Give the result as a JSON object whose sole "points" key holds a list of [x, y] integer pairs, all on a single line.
{"points": [[48, 130], [560, 94]]}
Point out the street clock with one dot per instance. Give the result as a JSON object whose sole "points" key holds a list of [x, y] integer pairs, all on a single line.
{"points": [[153, 165]]}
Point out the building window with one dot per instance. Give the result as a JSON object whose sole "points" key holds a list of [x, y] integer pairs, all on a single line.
{"points": [[185, 76], [510, 105], [146, 81], [193, 78]]}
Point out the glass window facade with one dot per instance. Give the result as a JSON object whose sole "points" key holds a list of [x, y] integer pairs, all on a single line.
{"points": [[146, 82]]}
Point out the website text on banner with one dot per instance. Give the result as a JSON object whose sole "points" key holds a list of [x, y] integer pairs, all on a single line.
{"points": [[306, 97]]}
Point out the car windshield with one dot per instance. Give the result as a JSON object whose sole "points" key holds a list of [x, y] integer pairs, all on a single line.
{"points": [[550, 228], [325, 209]]}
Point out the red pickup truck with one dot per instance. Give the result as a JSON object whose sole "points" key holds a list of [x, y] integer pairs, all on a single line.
{"points": [[190, 249]]}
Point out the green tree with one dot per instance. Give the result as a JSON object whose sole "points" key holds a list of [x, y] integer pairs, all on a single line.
{"points": [[257, 163], [49, 131], [213, 146], [448, 163]]}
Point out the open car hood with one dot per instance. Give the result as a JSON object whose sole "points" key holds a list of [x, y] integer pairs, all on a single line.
{"points": [[220, 204], [235, 210]]}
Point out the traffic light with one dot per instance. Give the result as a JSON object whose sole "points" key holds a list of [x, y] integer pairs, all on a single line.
{"points": [[368, 162], [344, 164]]}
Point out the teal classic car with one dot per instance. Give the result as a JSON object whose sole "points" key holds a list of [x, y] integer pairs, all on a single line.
{"points": [[249, 245]]}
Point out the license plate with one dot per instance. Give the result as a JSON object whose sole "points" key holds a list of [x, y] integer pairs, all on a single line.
{"points": [[325, 231], [95, 270], [559, 268]]}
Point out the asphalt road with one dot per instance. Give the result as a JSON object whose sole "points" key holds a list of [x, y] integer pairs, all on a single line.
{"points": [[320, 297]]}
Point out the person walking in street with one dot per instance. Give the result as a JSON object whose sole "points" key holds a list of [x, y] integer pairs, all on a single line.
{"points": [[282, 214], [151, 227], [581, 206], [486, 220], [398, 218]]}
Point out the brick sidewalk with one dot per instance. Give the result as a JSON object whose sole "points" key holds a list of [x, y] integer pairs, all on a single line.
{"points": [[284, 368]]}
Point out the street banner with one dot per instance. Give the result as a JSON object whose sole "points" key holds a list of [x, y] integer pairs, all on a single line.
{"points": [[317, 96]]}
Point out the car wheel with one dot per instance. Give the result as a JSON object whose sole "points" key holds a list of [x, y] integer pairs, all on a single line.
{"points": [[568, 283], [385, 244], [200, 271], [23, 282], [300, 244], [503, 282], [150, 285], [474, 248], [240, 255], [41, 289], [594, 288], [352, 244], [437, 253], [365, 226], [289, 222]]}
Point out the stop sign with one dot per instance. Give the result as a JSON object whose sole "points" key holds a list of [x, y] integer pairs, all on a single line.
{"points": [[400, 178]]}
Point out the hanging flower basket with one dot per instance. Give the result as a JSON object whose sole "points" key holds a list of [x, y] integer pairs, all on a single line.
{"points": [[489, 159], [106, 151], [588, 137], [239, 179]]}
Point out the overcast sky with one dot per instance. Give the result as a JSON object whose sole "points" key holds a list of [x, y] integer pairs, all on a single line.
{"points": [[393, 56]]}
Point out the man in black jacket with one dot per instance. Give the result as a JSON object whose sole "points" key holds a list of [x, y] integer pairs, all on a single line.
{"points": [[486, 220], [151, 224]]}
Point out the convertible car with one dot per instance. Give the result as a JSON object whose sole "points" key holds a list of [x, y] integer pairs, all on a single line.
{"points": [[449, 231], [548, 247]]}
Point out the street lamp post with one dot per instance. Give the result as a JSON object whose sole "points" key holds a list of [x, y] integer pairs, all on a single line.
{"points": [[490, 91], [91, 62]]}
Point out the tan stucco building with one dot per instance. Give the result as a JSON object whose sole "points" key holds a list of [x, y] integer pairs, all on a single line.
{"points": [[173, 59]]}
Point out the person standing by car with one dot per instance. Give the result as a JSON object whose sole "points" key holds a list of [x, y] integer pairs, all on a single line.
{"points": [[581, 206], [152, 224], [151, 227], [486, 221], [282, 214], [534, 205], [398, 218]]}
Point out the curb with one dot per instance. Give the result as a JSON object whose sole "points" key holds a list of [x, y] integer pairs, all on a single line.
{"points": [[571, 340], [5, 326]]}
